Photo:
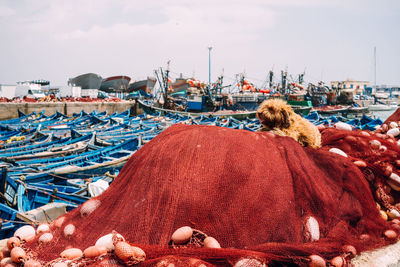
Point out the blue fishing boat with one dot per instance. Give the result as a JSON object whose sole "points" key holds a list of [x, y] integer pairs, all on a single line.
{"points": [[9, 221], [94, 162], [23, 117], [31, 196], [63, 147], [149, 108], [35, 138]]}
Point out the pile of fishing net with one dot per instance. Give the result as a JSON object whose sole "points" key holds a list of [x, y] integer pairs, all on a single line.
{"points": [[264, 199]]}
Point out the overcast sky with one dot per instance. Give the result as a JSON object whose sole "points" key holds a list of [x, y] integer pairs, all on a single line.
{"points": [[329, 39]]}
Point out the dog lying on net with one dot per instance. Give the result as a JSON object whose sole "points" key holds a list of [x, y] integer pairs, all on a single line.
{"points": [[278, 117]]}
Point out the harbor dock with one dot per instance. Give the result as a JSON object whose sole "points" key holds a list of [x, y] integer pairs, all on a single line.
{"points": [[10, 110]]}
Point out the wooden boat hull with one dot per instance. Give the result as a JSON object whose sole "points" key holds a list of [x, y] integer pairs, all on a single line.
{"points": [[238, 115]]}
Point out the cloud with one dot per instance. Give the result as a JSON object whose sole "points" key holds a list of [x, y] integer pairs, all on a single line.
{"points": [[191, 22], [135, 36], [6, 11]]}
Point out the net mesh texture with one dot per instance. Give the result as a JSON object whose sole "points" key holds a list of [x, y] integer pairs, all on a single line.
{"points": [[254, 192]]}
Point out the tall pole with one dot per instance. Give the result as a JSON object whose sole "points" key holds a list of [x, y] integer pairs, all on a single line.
{"points": [[209, 66], [375, 68]]}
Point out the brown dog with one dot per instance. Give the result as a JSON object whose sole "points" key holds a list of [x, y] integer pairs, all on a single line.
{"points": [[277, 116]]}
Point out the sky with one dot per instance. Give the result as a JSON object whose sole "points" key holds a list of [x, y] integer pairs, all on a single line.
{"points": [[327, 39]]}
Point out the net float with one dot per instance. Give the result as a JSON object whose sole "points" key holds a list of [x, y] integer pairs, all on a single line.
{"points": [[94, 251], [18, 255], [390, 234], [89, 206], [182, 235], [391, 139], [45, 238], [384, 127], [365, 237], [43, 228], [338, 261], [107, 241], [69, 230], [351, 139], [311, 229], [388, 169], [394, 181], [343, 126], [360, 163], [71, 254], [374, 144], [394, 185], [211, 242], [364, 133], [126, 252], [7, 262], [382, 149], [13, 242], [59, 221], [138, 255], [249, 262], [396, 221], [25, 233], [393, 214], [393, 124], [32, 263], [349, 249], [338, 151], [379, 135], [123, 251], [316, 261], [383, 215], [270, 134]]}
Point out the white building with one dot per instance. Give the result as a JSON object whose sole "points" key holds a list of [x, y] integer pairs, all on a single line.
{"points": [[350, 86], [92, 93], [7, 90], [70, 91]]}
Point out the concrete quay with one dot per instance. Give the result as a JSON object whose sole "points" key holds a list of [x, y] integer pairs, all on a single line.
{"points": [[10, 110]]}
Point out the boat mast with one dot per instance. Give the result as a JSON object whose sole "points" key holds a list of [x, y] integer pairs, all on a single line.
{"points": [[166, 78], [271, 77], [164, 85]]}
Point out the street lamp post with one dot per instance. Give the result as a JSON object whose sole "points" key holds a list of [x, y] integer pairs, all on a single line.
{"points": [[209, 66]]}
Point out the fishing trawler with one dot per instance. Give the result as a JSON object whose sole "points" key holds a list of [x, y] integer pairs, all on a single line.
{"points": [[115, 83], [383, 107], [86, 81], [144, 85]]}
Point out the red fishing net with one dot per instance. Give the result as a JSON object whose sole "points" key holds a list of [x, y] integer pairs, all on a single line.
{"points": [[263, 197]]}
